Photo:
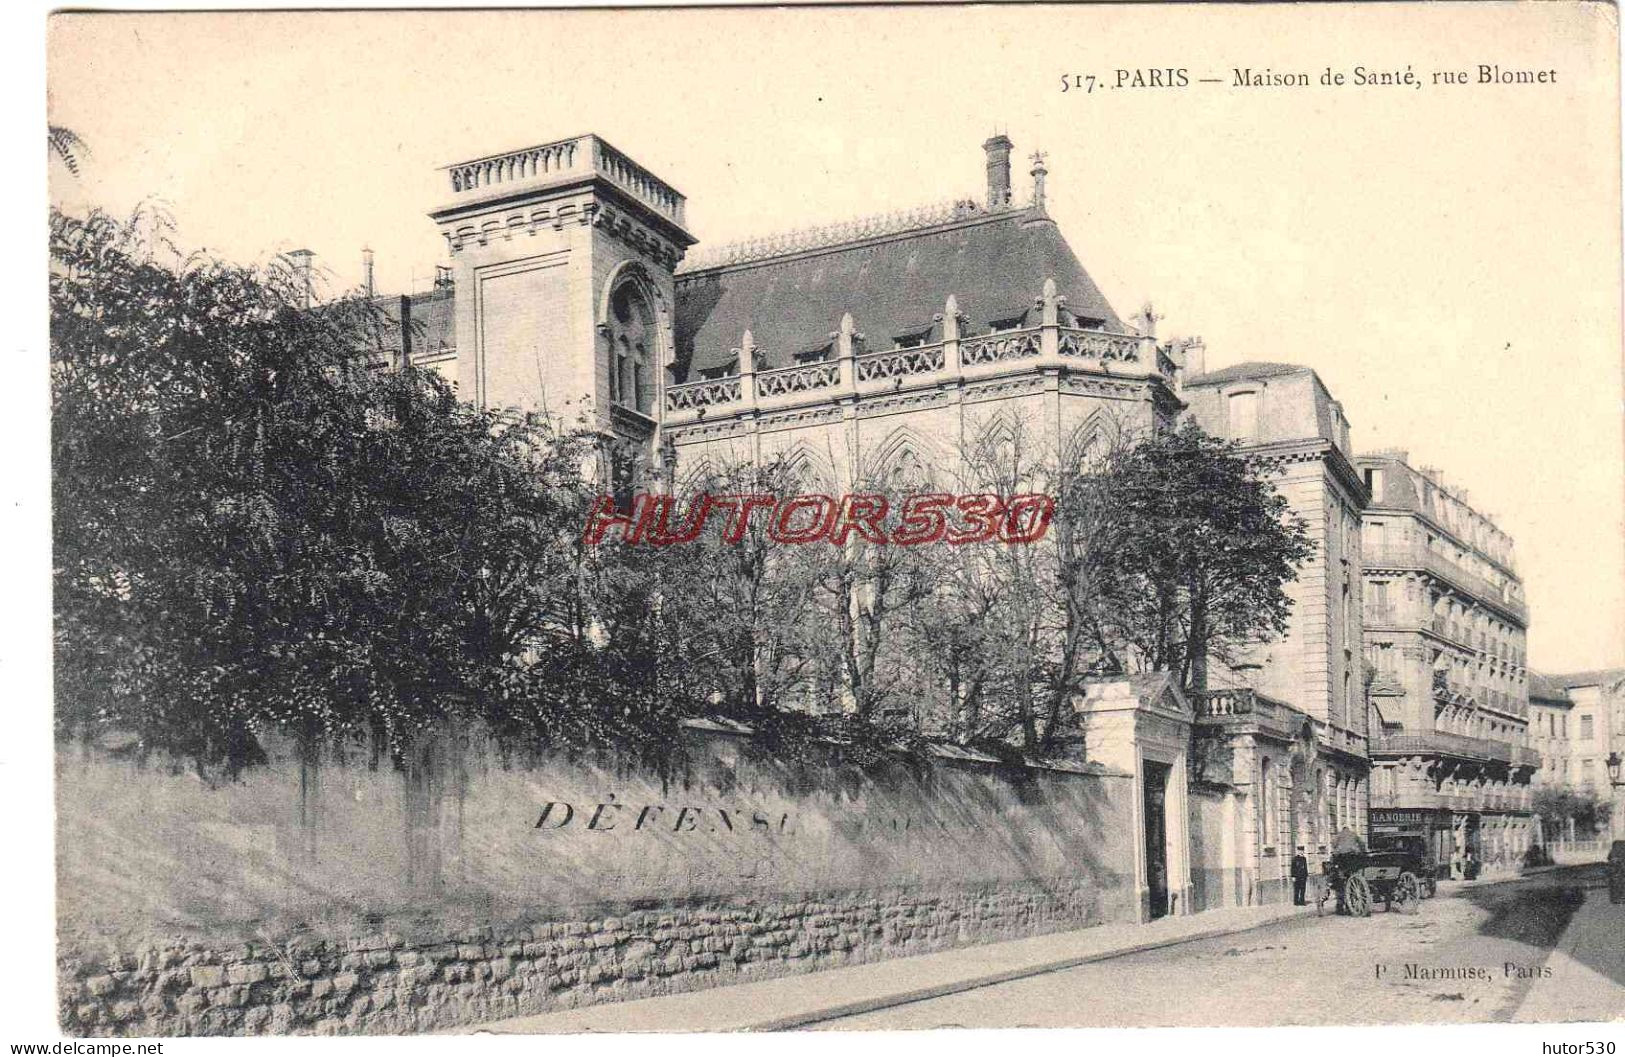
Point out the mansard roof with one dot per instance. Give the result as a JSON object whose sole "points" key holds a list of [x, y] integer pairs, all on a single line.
{"points": [[1246, 371], [893, 283]]}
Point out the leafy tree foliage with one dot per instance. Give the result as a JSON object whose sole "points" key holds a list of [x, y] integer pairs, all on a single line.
{"points": [[1558, 805], [257, 528], [1193, 554]]}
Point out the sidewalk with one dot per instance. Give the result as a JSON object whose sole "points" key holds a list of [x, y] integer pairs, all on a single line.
{"points": [[1587, 981], [793, 1001]]}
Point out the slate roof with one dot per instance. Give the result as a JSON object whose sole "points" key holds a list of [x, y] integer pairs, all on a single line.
{"points": [[1547, 688], [1595, 677], [1251, 369], [894, 284], [431, 322]]}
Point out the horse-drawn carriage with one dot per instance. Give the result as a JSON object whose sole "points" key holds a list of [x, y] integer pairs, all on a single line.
{"points": [[1357, 879]]}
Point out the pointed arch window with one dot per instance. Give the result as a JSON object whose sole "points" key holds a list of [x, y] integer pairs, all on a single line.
{"points": [[631, 339]]}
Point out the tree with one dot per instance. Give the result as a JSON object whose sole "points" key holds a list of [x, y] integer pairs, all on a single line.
{"points": [[65, 144], [1557, 806], [1192, 554], [746, 605], [1015, 633], [256, 528]]}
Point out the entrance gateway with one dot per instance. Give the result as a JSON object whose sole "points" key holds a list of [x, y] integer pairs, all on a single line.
{"points": [[1140, 727], [1156, 835]]}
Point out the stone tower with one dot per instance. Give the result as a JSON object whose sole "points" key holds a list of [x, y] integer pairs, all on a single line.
{"points": [[563, 257]]}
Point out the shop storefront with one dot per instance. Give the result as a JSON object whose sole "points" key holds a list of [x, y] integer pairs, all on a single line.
{"points": [[1433, 826]]}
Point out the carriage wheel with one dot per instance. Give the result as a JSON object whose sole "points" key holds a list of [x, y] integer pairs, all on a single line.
{"points": [[1407, 894], [1357, 896]]}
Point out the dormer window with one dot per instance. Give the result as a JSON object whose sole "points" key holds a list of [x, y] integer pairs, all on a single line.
{"points": [[1243, 415], [716, 374], [913, 340], [1013, 323], [818, 355]]}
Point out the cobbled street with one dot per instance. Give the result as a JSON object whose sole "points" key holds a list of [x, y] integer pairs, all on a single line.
{"points": [[1326, 970]]}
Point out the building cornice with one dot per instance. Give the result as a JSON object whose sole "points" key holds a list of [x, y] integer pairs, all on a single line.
{"points": [[1433, 523], [1312, 449]]}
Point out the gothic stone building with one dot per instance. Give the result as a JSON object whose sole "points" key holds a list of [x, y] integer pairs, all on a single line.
{"points": [[869, 344]]}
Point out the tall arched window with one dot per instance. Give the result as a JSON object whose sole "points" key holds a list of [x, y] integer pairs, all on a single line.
{"points": [[1266, 807], [632, 346], [1323, 810]]}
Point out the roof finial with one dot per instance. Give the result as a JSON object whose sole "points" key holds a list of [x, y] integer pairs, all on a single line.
{"points": [[1038, 174], [1146, 321]]}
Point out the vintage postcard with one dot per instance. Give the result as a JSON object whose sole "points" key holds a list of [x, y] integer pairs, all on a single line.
{"points": [[840, 518]]}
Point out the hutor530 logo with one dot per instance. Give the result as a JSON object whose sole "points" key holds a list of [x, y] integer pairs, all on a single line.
{"points": [[931, 517]]}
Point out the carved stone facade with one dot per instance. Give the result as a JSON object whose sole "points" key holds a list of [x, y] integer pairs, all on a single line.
{"points": [[557, 250], [1302, 746]]}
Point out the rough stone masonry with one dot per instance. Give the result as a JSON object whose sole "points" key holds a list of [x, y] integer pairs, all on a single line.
{"points": [[382, 984]]}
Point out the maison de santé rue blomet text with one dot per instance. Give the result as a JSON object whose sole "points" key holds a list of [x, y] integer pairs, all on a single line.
{"points": [[1360, 76]]}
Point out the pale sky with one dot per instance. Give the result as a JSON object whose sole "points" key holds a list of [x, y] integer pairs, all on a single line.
{"points": [[1447, 258]]}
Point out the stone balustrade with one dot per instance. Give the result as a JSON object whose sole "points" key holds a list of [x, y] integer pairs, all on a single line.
{"points": [[583, 155], [1000, 347], [900, 363], [702, 394], [802, 378], [852, 372], [1246, 708], [1218, 703]]}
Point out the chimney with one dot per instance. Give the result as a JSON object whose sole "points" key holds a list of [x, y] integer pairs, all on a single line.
{"points": [[366, 271], [998, 172], [1195, 358], [302, 273]]}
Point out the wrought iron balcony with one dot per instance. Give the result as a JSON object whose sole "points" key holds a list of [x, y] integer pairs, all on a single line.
{"points": [[1426, 560], [1380, 617], [1523, 756], [1442, 743]]}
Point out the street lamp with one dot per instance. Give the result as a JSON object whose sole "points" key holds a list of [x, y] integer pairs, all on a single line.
{"points": [[1616, 820]]}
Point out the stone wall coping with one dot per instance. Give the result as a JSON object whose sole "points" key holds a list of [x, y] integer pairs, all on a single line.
{"points": [[939, 749]]}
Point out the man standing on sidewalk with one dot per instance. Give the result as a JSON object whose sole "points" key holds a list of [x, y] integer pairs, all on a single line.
{"points": [[1300, 879]]}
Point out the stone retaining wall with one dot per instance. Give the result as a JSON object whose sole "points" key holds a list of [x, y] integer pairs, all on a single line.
{"points": [[331, 895], [381, 983]]}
